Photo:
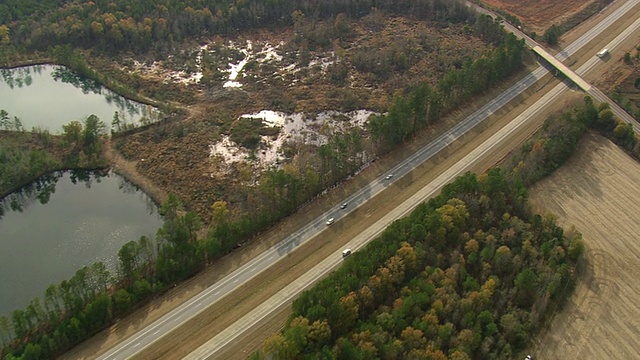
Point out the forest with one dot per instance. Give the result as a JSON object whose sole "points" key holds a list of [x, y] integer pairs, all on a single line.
{"points": [[469, 274], [140, 26]]}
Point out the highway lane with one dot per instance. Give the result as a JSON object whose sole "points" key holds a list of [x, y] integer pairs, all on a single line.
{"points": [[194, 306], [597, 29]]}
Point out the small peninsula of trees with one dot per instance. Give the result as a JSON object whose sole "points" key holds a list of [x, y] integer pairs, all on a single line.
{"points": [[25, 156]]}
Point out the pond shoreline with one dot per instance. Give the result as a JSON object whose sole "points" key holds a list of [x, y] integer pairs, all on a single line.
{"points": [[20, 186], [111, 159], [128, 170], [100, 78], [116, 163]]}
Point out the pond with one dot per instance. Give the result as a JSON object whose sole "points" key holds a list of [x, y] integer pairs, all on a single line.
{"points": [[49, 96], [62, 222]]}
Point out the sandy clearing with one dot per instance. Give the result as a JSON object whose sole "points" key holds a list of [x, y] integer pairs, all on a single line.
{"points": [[597, 192]]}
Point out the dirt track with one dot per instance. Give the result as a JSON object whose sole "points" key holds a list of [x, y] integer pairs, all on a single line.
{"points": [[597, 191]]}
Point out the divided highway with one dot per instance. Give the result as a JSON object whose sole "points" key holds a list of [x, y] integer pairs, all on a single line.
{"points": [[198, 303], [217, 343]]}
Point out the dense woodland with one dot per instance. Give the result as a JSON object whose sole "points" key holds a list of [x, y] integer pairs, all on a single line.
{"points": [[469, 274], [560, 136], [140, 26]]}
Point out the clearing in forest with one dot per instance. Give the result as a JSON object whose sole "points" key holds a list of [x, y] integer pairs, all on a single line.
{"points": [[597, 191]]}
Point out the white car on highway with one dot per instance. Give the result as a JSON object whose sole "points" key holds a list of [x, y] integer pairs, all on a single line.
{"points": [[330, 221]]}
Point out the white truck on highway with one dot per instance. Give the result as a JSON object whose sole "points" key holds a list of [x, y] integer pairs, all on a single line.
{"points": [[602, 53]]}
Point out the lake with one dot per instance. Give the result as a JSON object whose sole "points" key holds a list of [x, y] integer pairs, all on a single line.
{"points": [[49, 96], [62, 222]]}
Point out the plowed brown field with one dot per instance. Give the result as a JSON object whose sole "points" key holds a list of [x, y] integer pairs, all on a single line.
{"points": [[539, 14], [598, 191]]}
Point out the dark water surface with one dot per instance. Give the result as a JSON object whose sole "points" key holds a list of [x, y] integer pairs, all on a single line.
{"points": [[49, 96], [46, 235]]}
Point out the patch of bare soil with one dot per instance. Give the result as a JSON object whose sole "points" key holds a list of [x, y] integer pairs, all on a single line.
{"points": [[597, 192], [539, 15]]}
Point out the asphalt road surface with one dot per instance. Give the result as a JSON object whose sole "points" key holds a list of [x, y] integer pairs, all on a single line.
{"points": [[194, 306]]}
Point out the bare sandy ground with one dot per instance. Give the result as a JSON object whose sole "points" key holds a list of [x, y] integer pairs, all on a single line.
{"points": [[597, 191]]}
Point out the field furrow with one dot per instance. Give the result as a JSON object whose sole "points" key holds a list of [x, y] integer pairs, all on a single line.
{"points": [[597, 191]]}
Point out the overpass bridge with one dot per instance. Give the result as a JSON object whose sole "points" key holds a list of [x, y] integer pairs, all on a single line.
{"points": [[556, 61], [570, 74]]}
